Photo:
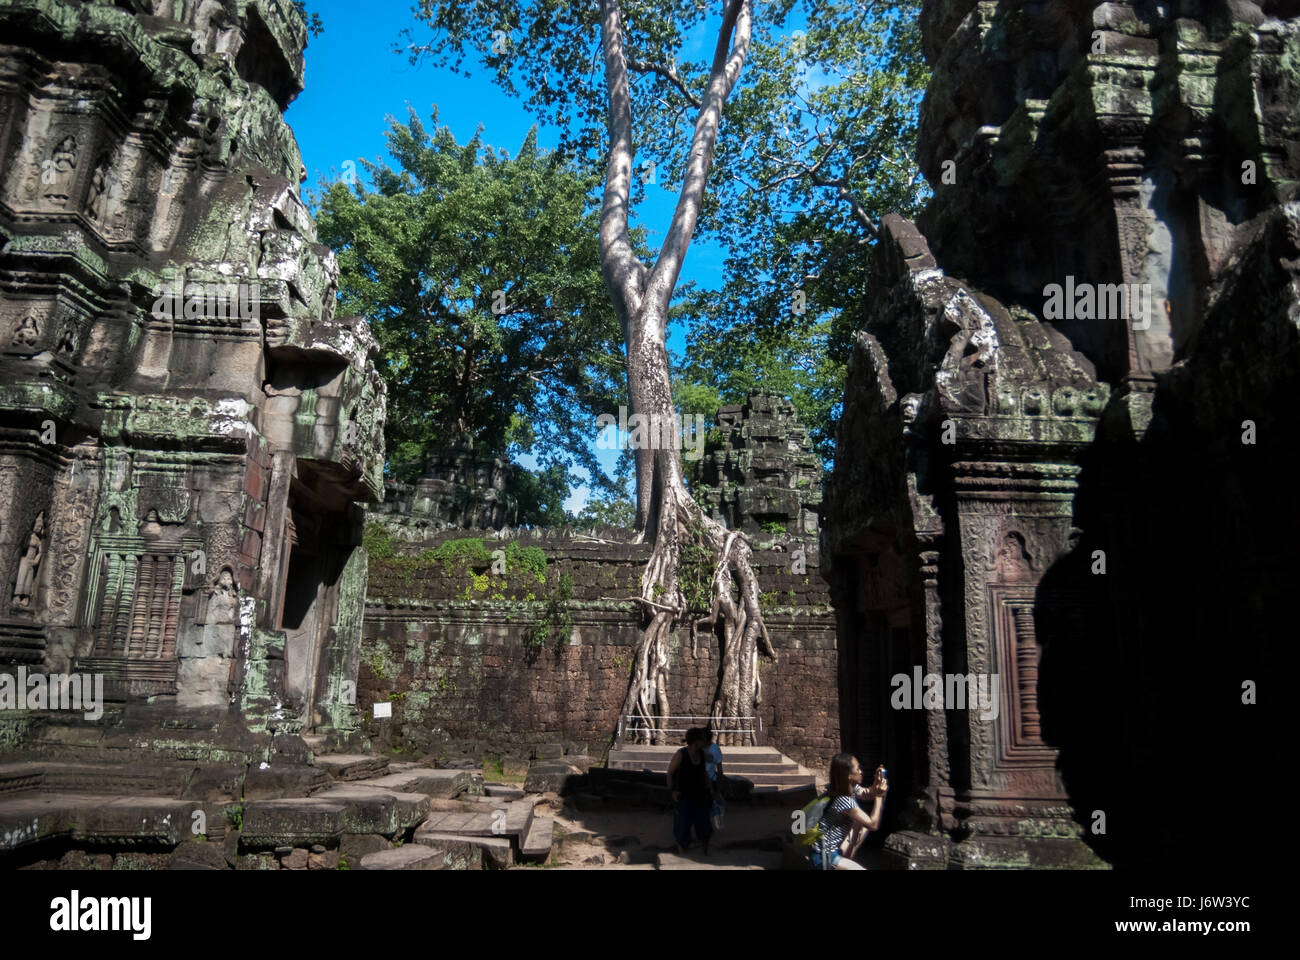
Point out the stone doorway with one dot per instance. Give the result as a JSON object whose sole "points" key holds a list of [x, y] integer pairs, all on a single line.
{"points": [[309, 601]]}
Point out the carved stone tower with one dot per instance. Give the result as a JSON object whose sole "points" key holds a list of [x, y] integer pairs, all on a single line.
{"points": [[186, 429], [1028, 455]]}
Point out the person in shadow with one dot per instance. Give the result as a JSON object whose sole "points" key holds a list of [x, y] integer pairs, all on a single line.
{"points": [[688, 779]]}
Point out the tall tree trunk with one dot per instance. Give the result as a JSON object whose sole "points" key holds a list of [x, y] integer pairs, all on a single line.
{"points": [[666, 512]]}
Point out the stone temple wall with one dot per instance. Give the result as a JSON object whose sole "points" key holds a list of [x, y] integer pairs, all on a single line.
{"points": [[186, 429], [477, 656], [1064, 455]]}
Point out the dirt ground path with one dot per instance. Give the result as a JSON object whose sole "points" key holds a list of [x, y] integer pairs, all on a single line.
{"points": [[621, 837]]}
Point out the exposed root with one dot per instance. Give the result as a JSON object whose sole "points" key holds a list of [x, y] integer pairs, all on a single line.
{"points": [[734, 615]]}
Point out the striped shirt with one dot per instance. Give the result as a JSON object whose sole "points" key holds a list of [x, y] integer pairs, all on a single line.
{"points": [[835, 823]]}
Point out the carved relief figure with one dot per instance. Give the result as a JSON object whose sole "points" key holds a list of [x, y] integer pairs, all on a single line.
{"points": [[57, 172], [223, 604], [27, 332], [222, 615], [25, 585], [98, 188], [68, 338], [1013, 559]]}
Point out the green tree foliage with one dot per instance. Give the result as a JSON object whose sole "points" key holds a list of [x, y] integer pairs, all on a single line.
{"points": [[816, 144], [311, 20], [481, 275], [612, 507], [539, 495]]}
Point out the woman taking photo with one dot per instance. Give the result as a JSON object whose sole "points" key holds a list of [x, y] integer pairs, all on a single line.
{"points": [[844, 824]]}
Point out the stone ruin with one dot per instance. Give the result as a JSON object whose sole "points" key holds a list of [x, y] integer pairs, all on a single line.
{"points": [[1083, 497], [1089, 503], [763, 472], [187, 431], [480, 653], [459, 490]]}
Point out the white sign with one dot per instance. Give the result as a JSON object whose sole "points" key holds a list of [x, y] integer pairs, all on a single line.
{"points": [[383, 710]]}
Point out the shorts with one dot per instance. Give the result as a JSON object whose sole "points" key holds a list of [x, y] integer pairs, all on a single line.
{"points": [[817, 862]]}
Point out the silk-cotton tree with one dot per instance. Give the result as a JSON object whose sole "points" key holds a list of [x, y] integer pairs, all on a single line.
{"points": [[552, 46]]}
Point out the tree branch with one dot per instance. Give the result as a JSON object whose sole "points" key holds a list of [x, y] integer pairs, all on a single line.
{"points": [[669, 74], [623, 272], [722, 77]]}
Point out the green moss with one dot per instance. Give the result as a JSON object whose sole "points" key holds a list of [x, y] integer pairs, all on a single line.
{"points": [[556, 621], [530, 560], [460, 555], [378, 542], [695, 572], [462, 559]]}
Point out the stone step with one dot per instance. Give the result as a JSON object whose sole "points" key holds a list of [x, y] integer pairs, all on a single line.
{"points": [[487, 821], [729, 754], [294, 821], [732, 769], [505, 791], [16, 778], [463, 824], [766, 769], [778, 779], [345, 808], [33, 817], [444, 784], [373, 810], [765, 781], [353, 766], [519, 818], [410, 856], [161, 779], [541, 835], [468, 852]]}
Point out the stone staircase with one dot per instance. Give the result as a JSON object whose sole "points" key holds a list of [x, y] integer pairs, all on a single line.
{"points": [[457, 826], [766, 768], [350, 807]]}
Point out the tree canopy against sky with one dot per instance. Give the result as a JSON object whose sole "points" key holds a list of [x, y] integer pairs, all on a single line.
{"points": [[481, 274], [654, 113], [818, 139], [817, 147]]}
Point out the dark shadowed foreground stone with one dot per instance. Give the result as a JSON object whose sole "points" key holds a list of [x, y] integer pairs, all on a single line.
{"points": [[199, 855], [1088, 338]]}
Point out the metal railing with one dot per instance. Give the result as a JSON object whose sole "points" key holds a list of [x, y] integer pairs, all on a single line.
{"points": [[630, 725]]}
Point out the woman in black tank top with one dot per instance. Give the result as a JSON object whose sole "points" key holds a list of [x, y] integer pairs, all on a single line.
{"points": [[689, 782]]}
